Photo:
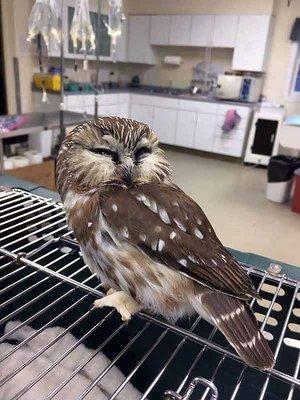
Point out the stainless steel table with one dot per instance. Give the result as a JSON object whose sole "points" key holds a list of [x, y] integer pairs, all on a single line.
{"points": [[37, 122]]}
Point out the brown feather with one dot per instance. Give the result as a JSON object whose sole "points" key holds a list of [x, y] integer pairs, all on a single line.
{"points": [[199, 258]]}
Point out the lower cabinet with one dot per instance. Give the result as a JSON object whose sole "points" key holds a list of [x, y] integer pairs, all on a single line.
{"points": [[109, 110], [228, 147], [205, 132], [164, 124], [142, 113], [123, 110], [189, 124], [186, 124]]}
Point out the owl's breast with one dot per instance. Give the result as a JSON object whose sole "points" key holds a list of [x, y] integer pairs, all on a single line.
{"points": [[122, 265]]}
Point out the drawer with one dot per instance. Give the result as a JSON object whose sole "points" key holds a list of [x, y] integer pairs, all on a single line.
{"points": [[244, 112], [89, 99], [242, 125], [77, 108], [236, 134], [123, 98], [108, 110], [75, 100], [107, 99], [228, 147], [142, 99], [198, 106], [165, 102]]}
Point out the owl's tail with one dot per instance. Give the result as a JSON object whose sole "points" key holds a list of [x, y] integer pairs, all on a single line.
{"points": [[237, 322]]}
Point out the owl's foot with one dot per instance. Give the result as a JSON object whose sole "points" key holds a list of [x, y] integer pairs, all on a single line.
{"points": [[122, 302]]}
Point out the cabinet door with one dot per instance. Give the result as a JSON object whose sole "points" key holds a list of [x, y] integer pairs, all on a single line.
{"points": [[103, 40], [122, 41], [106, 111], [180, 30], [164, 124], [225, 29], [252, 40], [228, 147], [160, 29], [142, 113], [139, 49], [205, 131], [124, 110], [185, 130], [202, 30]]}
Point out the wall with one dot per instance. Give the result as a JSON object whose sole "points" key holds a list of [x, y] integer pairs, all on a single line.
{"points": [[276, 80], [8, 50]]}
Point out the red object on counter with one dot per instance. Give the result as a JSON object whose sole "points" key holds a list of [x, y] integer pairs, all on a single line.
{"points": [[296, 195]]}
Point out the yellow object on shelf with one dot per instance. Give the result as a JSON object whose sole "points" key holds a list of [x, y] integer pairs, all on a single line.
{"points": [[48, 81]]}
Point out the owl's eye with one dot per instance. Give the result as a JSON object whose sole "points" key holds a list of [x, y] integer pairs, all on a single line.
{"points": [[141, 152], [107, 152]]}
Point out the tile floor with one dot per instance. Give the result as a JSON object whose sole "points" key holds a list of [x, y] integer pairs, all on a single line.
{"points": [[233, 198]]}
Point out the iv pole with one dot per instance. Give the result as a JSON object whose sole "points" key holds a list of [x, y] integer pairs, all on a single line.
{"points": [[97, 59], [61, 106]]}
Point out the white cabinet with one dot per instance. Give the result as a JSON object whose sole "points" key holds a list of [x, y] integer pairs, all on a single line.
{"points": [[202, 30], [108, 111], [164, 124], [124, 110], [185, 130], [180, 30], [251, 47], [160, 29], [225, 28], [122, 43], [142, 113], [205, 131], [228, 147], [139, 49]]}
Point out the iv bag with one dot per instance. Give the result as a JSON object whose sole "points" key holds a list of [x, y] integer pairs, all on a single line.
{"points": [[115, 18], [44, 20], [81, 28]]}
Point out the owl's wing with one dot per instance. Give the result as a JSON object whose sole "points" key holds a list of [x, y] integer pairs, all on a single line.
{"points": [[172, 229]]}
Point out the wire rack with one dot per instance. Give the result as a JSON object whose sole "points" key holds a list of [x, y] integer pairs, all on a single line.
{"points": [[44, 282]]}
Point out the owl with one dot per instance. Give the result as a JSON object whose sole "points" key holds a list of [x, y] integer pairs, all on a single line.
{"points": [[150, 244]]}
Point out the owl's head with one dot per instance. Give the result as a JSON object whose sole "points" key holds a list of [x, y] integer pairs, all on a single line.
{"points": [[110, 150]]}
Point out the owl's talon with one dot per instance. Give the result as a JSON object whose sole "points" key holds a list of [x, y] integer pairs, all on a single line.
{"points": [[125, 305]]}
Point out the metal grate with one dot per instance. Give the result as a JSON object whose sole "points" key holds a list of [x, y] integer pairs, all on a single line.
{"points": [[44, 282]]}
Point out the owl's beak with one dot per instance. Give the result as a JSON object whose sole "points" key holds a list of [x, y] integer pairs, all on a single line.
{"points": [[127, 178]]}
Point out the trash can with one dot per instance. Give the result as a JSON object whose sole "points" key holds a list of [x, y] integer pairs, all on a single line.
{"points": [[280, 177], [296, 194]]}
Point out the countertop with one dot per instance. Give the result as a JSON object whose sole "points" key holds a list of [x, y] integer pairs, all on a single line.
{"points": [[179, 94]]}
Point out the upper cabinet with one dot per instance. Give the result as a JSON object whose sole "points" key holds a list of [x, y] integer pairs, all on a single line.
{"points": [[139, 49], [160, 29], [180, 30], [103, 41], [121, 48], [202, 30], [225, 29], [253, 37]]}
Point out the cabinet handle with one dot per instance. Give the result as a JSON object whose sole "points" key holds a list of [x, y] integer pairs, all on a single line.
{"points": [[272, 138]]}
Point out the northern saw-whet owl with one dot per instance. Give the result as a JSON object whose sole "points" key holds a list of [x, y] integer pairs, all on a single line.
{"points": [[148, 241]]}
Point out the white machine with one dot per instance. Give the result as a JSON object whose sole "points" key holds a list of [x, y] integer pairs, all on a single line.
{"points": [[241, 88]]}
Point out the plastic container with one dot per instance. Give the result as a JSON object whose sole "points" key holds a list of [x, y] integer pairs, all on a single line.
{"points": [[49, 81], [296, 195], [280, 177]]}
